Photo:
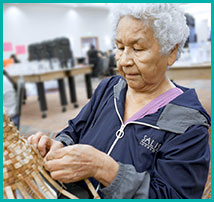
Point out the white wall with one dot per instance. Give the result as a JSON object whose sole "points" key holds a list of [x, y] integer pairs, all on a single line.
{"points": [[24, 24]]}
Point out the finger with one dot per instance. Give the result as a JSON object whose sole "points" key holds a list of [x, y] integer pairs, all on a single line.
{"points": [[64, 176], [31, 137], [44, 144], [56, 164], [57, 154], [34, 139], [54, 146]]}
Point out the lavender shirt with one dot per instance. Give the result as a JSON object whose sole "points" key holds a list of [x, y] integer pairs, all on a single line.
{"points": [[156, 104]]}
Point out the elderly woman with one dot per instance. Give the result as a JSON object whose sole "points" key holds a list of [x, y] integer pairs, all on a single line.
{"points": [[141, 135]]}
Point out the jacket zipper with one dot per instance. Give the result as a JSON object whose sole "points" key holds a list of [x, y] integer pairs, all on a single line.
{"points": [[120, 133]]}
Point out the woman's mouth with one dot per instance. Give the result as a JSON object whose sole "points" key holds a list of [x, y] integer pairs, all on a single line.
{"points": [[131, 74]]}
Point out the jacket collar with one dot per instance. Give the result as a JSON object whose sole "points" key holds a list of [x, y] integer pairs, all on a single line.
{"points": [[185, 109]]}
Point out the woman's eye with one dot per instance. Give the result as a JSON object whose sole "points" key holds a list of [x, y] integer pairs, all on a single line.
{"points": [[137, 50], [120, 48]]}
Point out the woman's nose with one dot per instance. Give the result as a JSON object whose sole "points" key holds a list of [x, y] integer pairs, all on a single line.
{"points": [[126, 58]]}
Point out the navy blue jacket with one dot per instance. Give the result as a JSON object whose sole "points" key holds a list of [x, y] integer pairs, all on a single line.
{"points": [[163, 155]]}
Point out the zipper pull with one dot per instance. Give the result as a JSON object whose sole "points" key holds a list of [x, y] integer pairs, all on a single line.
{"points": [[120, 133]]}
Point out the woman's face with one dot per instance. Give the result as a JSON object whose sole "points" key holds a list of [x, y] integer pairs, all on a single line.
{"points": [[138, 55]]}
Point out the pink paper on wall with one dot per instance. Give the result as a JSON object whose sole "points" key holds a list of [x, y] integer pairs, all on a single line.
{"points": [[7, 46], [20, 49]]}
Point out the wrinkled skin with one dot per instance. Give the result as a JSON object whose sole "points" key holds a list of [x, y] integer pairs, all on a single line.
{"points": [[141, 63], [76, 162], [139, 58]]}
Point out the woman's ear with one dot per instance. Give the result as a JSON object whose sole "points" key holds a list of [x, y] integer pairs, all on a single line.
{"points": [[173, 55]]}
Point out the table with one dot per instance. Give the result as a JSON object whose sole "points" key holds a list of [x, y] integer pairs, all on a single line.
{"points": [[188, 71], [195, 71], [59, 75], [71, 74]]}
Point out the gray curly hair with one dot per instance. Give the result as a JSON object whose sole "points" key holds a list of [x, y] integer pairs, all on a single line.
{"points": [[167, 20]]}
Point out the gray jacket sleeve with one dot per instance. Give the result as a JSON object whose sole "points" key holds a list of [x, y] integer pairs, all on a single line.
{"points": [[65, 139], [128, 184]]}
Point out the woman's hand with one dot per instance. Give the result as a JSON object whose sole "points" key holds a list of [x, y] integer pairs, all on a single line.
{"points": [[43, 143], [77, 162]]}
